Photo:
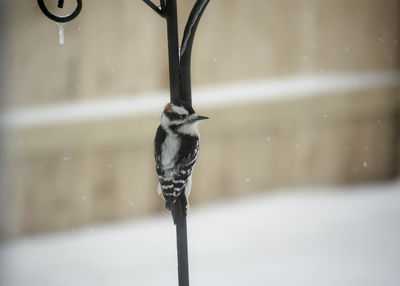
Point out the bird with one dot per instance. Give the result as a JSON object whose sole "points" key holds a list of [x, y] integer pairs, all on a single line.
{"points": [[176, 145]]}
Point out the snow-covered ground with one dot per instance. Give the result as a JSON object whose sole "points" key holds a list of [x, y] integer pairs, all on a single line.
{"points": [[343, 236]]}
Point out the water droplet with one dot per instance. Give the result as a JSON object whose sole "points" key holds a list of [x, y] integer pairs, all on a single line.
{"points": [[269, 139], [321, 70], [67, 158], [346, 50], [113, 70], [109, 165], [84, 198], [365, 164], [347, 148], [131, 203], [325, 115], [61, 28], [379, 121], [214, 59], [366, 148], [381, 40], [306, 58], [247, 180]]}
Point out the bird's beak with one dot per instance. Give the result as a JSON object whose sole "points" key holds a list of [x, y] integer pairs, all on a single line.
{"points": [[194, 117], [200, 117]]}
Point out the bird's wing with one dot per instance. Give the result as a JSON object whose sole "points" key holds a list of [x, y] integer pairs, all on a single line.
{"points": [[174, 183], [160, 137]]}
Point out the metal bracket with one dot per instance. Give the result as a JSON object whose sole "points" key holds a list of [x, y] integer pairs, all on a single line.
{"points": [[60, 19]]}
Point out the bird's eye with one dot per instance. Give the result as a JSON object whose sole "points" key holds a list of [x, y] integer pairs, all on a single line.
{"points": [[182, 116]]}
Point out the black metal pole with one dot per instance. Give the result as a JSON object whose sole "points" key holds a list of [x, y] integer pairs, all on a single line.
{"points": [[182, 249], [180, 90], [173, 50], [186, 49]]}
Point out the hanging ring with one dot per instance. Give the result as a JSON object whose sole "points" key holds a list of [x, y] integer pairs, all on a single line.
{"points": [[60, 19]]}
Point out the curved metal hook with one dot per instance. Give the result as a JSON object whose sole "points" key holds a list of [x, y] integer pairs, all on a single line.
{"points": [[60, 19]]}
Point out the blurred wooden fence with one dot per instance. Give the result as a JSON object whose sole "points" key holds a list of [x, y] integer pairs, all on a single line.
{"points": [[119, 47], [70, 174]]}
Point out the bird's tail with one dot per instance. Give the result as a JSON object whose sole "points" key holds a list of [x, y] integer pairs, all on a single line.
{"points": [[178, 209]]}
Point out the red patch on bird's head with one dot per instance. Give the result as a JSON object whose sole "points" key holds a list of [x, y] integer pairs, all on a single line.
{"points": [[168, 106]]}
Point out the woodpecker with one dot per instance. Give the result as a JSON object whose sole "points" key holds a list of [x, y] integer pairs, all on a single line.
{"points": [[176, 145]]}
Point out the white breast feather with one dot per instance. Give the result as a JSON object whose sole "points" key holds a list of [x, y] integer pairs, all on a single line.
{"points": [[169, 150], [190, 129]]}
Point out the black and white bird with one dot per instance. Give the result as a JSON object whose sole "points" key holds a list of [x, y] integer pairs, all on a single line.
{"points": [[176, 146]]}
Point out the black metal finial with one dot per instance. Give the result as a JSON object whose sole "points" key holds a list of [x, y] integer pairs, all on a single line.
{"points": [[60, 19], [60, 3]]}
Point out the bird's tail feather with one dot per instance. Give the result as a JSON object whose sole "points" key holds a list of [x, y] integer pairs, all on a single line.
{"points": [[178, 209]]}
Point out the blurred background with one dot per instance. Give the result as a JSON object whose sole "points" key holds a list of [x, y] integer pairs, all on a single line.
{"points": [[302, 95]]}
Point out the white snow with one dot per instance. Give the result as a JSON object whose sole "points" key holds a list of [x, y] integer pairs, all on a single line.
{"points": [[343, 236]]}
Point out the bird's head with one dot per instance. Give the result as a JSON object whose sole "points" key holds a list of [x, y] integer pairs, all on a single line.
{"points": [[181, 118]]}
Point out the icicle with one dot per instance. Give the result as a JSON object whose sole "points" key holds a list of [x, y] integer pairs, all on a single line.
{"points": [[61, 27]]}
